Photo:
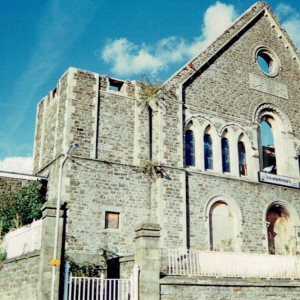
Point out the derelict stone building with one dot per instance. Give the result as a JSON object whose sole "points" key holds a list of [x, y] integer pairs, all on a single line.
{"points": [[216, 185]]}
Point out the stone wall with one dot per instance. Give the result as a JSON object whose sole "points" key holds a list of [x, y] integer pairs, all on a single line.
{"points": [[220, 289], [19, 278]]}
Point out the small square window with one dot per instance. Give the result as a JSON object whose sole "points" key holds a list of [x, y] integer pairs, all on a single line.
{"points": [[116, 85], [112, 220]]}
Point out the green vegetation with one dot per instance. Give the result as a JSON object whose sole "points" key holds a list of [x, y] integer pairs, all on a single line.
{"points": [[94, 268], [20, 207], [149, 167]]}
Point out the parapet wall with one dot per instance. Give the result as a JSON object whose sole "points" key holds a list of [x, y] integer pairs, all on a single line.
{"points": [[185, 288]]}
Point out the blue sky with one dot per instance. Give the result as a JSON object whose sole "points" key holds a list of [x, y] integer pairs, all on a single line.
{"points": [[39, 40]]}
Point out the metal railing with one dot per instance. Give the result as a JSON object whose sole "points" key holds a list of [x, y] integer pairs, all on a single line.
{"points": [[100, 288], [230, 264], [23, 240]]}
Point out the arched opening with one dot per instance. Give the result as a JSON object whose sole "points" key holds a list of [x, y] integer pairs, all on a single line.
{"points": [[281, 237], [225, 155], [189, 148], [242, 159], [268, 153], [221, 227], [208, 152]]}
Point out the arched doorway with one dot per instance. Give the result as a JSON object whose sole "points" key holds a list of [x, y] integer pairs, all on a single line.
{"points": [[280, 231], [221, 227]]}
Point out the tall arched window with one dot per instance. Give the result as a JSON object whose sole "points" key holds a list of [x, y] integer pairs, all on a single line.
{"points": [[268, 155], [225, 155], [208, 152], [189, 148], [242, 158], [276, 141], [221, 227], [279, 230]]}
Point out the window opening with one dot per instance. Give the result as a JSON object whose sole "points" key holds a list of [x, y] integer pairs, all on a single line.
{"points": [[221, 227], [242, 159], [189, 148], [225, 155], [279, 230], [150, 134], [208, 152], [115, 85], [267, 148], [112, 220], [267, 61]]}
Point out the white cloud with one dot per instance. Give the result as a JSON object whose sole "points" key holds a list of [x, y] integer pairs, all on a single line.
{"points": [[283, 10], [290, 21], [17, 164], [127, 58]]}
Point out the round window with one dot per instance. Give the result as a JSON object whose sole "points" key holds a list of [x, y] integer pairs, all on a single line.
{"points": [[267, 61]]}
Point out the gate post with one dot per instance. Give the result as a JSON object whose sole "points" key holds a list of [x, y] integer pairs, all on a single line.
{"points": [[66, 280], [147, 257]]}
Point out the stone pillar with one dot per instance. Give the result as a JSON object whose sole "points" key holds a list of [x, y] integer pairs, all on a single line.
{"points": [[46, 252], [147, 257]]}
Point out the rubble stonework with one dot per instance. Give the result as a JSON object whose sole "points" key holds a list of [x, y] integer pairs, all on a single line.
{"points": [[222, 93]]}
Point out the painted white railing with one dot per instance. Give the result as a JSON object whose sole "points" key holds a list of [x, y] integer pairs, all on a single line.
{"points": [[230, 264], [23, 240], [95, 288]]}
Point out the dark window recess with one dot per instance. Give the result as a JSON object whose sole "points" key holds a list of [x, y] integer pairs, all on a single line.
{"points": [[189, 148], [225, 155], [208, 152], [242, 158], [112, 220], [115, 85], [79, 129]]}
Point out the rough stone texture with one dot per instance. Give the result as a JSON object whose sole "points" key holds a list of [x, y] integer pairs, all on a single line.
{"points": [[112, 132], [19, 278], [218, 289]]}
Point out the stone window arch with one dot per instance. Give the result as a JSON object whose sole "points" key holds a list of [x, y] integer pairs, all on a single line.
{"points": [[283, 150], [224, 224], [281, 229], [189, 145], [267, 145]]}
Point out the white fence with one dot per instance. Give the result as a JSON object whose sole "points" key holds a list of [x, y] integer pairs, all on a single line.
{"points": [[23, 240], [231, 264], [95, 288]]}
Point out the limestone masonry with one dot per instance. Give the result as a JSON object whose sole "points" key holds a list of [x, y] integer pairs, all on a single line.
{"points": [[217, 185]]}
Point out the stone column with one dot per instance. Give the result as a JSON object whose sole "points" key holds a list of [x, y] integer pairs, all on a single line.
{"points": [[147, 257], [46, 252]]}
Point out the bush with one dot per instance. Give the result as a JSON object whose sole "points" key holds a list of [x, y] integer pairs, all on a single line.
{"points": [[21, 207]]}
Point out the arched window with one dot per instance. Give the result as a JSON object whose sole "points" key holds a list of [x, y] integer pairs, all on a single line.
{"points": [[276, 141], [242, 159], [279, 230], [268, 154], [189, 148], [208, 152], [221, 227], [225, 155]]}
